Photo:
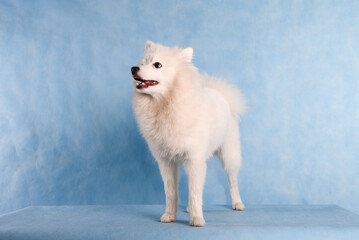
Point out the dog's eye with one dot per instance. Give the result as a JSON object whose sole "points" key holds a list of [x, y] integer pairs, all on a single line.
{"points": [[157, 65]]}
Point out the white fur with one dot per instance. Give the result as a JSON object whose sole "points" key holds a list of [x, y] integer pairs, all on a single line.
{"points": [[187, 118]]}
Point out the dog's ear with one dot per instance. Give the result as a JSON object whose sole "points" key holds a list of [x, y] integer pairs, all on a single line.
{"points": [[149, 44], [187, 54]]}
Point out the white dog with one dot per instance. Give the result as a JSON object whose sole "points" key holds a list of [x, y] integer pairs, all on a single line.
{"points": [[185, 118]]}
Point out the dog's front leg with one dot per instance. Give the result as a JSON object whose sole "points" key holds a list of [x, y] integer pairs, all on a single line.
{"points": [[196, 171], [169, 172]]}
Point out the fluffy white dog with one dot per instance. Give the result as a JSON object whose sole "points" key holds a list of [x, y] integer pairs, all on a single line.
{"points": [[186, 117]]}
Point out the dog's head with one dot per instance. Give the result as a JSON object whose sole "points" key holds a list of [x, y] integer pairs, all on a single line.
{"points": [[156, 72]]}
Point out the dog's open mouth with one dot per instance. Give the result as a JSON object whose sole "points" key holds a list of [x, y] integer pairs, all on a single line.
{"points": [[141, 83]]}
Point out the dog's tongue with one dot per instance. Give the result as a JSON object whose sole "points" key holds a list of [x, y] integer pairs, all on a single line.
{"points": [[147, 83]]}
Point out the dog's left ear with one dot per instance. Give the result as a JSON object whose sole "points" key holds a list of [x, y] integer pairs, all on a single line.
{"points": [[187, 54], [149, 44]]}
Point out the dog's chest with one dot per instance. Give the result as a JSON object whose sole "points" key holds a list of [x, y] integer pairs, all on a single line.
{"points": [[167, 129]]}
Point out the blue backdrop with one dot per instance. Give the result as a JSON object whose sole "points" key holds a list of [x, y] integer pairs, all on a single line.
{"points": [[67, 130]]}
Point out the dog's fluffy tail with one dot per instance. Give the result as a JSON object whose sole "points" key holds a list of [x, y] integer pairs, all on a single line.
{"points": [[233, 96]]}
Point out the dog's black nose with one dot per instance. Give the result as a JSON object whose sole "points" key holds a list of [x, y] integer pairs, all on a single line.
{"points": [[134, 69]]}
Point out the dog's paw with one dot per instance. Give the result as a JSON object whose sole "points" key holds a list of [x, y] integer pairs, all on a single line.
{"points": [[238, 206], [187, 209], [197, 222], [167, 218]]}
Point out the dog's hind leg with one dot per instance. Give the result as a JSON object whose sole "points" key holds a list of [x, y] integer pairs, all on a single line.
{"points": [[230, 155]]}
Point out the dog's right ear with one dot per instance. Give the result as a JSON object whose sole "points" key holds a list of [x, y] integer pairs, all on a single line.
{"points": [[149, 44], [187, 54]]}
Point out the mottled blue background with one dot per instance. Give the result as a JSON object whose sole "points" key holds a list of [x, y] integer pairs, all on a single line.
{"points": [[67, 130]]}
